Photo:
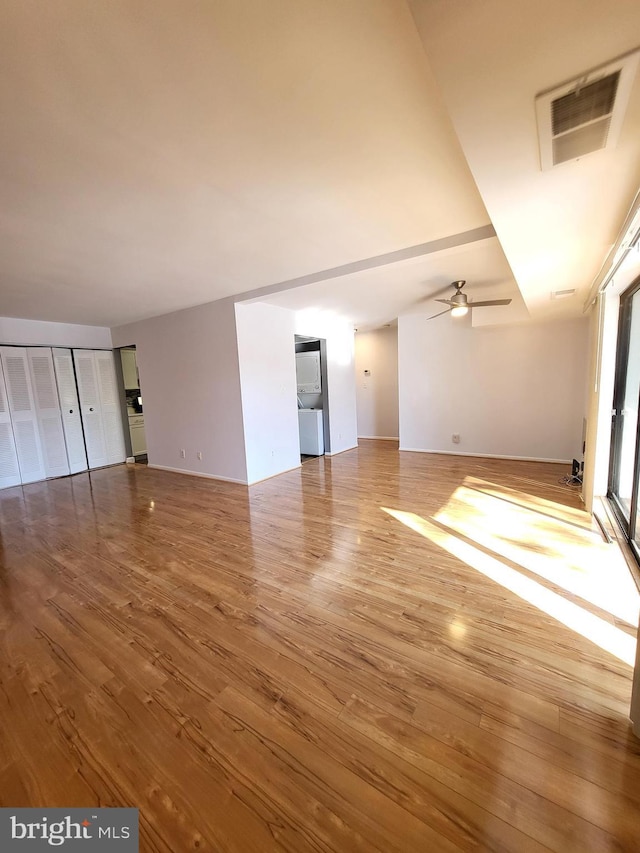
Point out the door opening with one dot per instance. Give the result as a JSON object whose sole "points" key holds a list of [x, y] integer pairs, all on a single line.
{"points": [[132, 405], [312, 397]]}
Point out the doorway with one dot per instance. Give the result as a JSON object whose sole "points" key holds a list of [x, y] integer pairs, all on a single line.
{"points": [[624, 473], [312, 396], [132, 403]]}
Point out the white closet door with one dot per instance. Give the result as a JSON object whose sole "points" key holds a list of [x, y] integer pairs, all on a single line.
{"points": [[70, 407], [23, 414], [110, 403], [90, 408], [45, 394], [9, 470]]}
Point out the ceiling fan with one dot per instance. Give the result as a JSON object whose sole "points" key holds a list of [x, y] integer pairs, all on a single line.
{"points": [[459, 304]]}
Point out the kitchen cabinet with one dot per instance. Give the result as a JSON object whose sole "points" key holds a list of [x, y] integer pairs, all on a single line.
{"points": [[129, 369], [136, 430]]}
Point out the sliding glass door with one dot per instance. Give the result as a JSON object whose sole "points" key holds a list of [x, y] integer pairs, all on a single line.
{"points": [[624, 480]]}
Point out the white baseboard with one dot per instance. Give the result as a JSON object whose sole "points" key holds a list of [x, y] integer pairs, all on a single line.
{"points": [[487, 455], [379, 437], [197, 474], [344, 450]]}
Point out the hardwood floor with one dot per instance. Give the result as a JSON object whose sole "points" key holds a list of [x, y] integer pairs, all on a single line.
{"points": [[381, 651]]}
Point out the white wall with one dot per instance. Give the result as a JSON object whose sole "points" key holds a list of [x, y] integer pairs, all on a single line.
{"points": [[341, 396], [377, 394], [635, 695], [40, 333], [190, 384], [266, 351], [515, 391]]}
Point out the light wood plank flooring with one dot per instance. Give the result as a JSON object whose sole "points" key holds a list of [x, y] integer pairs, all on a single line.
{"points": [[382, 651]]}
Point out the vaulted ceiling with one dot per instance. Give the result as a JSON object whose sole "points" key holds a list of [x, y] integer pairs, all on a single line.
{"points": [[355, 154]]}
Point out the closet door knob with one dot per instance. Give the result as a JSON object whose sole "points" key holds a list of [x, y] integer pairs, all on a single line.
{"points": [[90, 408]]}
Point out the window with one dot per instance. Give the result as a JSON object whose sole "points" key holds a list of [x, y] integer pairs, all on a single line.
{"points": [[624, 475]]}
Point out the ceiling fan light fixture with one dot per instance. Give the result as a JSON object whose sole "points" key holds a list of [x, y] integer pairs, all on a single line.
{"points": [[459, 305]]}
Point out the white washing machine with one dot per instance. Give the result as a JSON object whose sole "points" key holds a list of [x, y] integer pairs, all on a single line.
{"points": [[311, 432]]}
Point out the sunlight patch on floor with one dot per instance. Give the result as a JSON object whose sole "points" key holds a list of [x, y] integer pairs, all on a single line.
{"points": [[563, 552], [592, 627]]}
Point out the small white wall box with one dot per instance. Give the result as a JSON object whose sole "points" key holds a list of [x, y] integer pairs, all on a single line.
{"points": [[308, 372]]}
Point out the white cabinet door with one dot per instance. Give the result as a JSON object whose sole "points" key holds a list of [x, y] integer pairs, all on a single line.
{"points": [[136, 431], [100, 407], [9, 470], [70, 407], [47, 405], [23, 414], [129, 369]]}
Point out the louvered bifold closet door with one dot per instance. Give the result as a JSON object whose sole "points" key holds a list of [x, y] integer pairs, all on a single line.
{"points": [[9, 470], [110, 404], [23, 414], [45, 394], [90, 408], [70, 407], [99, 406]]}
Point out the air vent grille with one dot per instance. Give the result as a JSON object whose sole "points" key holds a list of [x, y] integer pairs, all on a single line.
{"points": [[585, 104], [582, 141], [585, 114]]}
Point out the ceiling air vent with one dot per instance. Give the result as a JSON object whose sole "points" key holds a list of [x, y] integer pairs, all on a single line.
{"points": [[585, 114]]}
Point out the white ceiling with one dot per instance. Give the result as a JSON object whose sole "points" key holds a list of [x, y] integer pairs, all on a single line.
{"points": [[160, 154], [376, 297], [491, 59]]}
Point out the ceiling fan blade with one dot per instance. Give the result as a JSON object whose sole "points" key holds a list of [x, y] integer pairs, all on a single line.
{"points": [[445, 301], [489, 302], [433, 316]]}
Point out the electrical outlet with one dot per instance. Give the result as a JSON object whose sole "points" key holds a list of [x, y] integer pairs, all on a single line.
{"points": [[455, 438], [199, 455], [183, 454]]}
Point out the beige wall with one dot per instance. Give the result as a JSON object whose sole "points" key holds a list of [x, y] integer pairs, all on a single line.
{"points": [[190, 385], [511, 391], [266, 352], [377, 394]]}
